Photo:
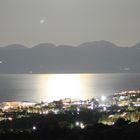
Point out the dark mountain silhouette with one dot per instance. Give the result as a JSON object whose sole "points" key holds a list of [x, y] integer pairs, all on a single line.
{"points": [[94, 57], [14, 47], [137, 46]]}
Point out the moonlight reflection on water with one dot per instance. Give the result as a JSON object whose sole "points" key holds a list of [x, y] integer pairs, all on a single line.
{"points": [[60, 86], [49, 87]]}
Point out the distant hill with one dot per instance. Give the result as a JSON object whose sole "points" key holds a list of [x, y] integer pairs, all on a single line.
{"points": [[90, 57], [14, 46]]}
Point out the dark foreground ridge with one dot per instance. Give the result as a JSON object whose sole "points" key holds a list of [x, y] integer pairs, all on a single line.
{"points": [[120, 131]]}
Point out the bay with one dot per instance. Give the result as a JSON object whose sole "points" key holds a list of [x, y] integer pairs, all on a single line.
{"points": [[49, 87]]}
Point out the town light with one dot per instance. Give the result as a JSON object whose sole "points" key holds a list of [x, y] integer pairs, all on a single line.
{"points": [[34, 128], [10, 119], [103, 98], [77, 123]]}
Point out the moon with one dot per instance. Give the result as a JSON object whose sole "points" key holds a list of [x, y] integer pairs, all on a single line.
{"points": [[42, 21]]}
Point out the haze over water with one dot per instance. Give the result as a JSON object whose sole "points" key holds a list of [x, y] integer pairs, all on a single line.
{"points": [[49, 87]]}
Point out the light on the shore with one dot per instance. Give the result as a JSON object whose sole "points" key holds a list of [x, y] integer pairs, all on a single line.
{"points": [[103, 98]]}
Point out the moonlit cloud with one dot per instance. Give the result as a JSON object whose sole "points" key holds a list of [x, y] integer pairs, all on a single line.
{"points": [[42, 21]]}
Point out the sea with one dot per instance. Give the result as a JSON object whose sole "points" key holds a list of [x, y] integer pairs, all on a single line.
{"points": [[50, 87]]}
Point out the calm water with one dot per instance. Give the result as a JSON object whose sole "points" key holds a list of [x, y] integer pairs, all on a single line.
{"points": [[50, 87]]}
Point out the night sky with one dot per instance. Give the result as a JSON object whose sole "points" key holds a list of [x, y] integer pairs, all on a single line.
{"points": [[72, 22]]}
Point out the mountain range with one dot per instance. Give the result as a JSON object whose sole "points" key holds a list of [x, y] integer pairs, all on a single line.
{"points": [[89, 57]]}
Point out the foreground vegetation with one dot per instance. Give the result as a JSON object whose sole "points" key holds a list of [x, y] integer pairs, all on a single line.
{"points": [[119, 131], [85, 124]]}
